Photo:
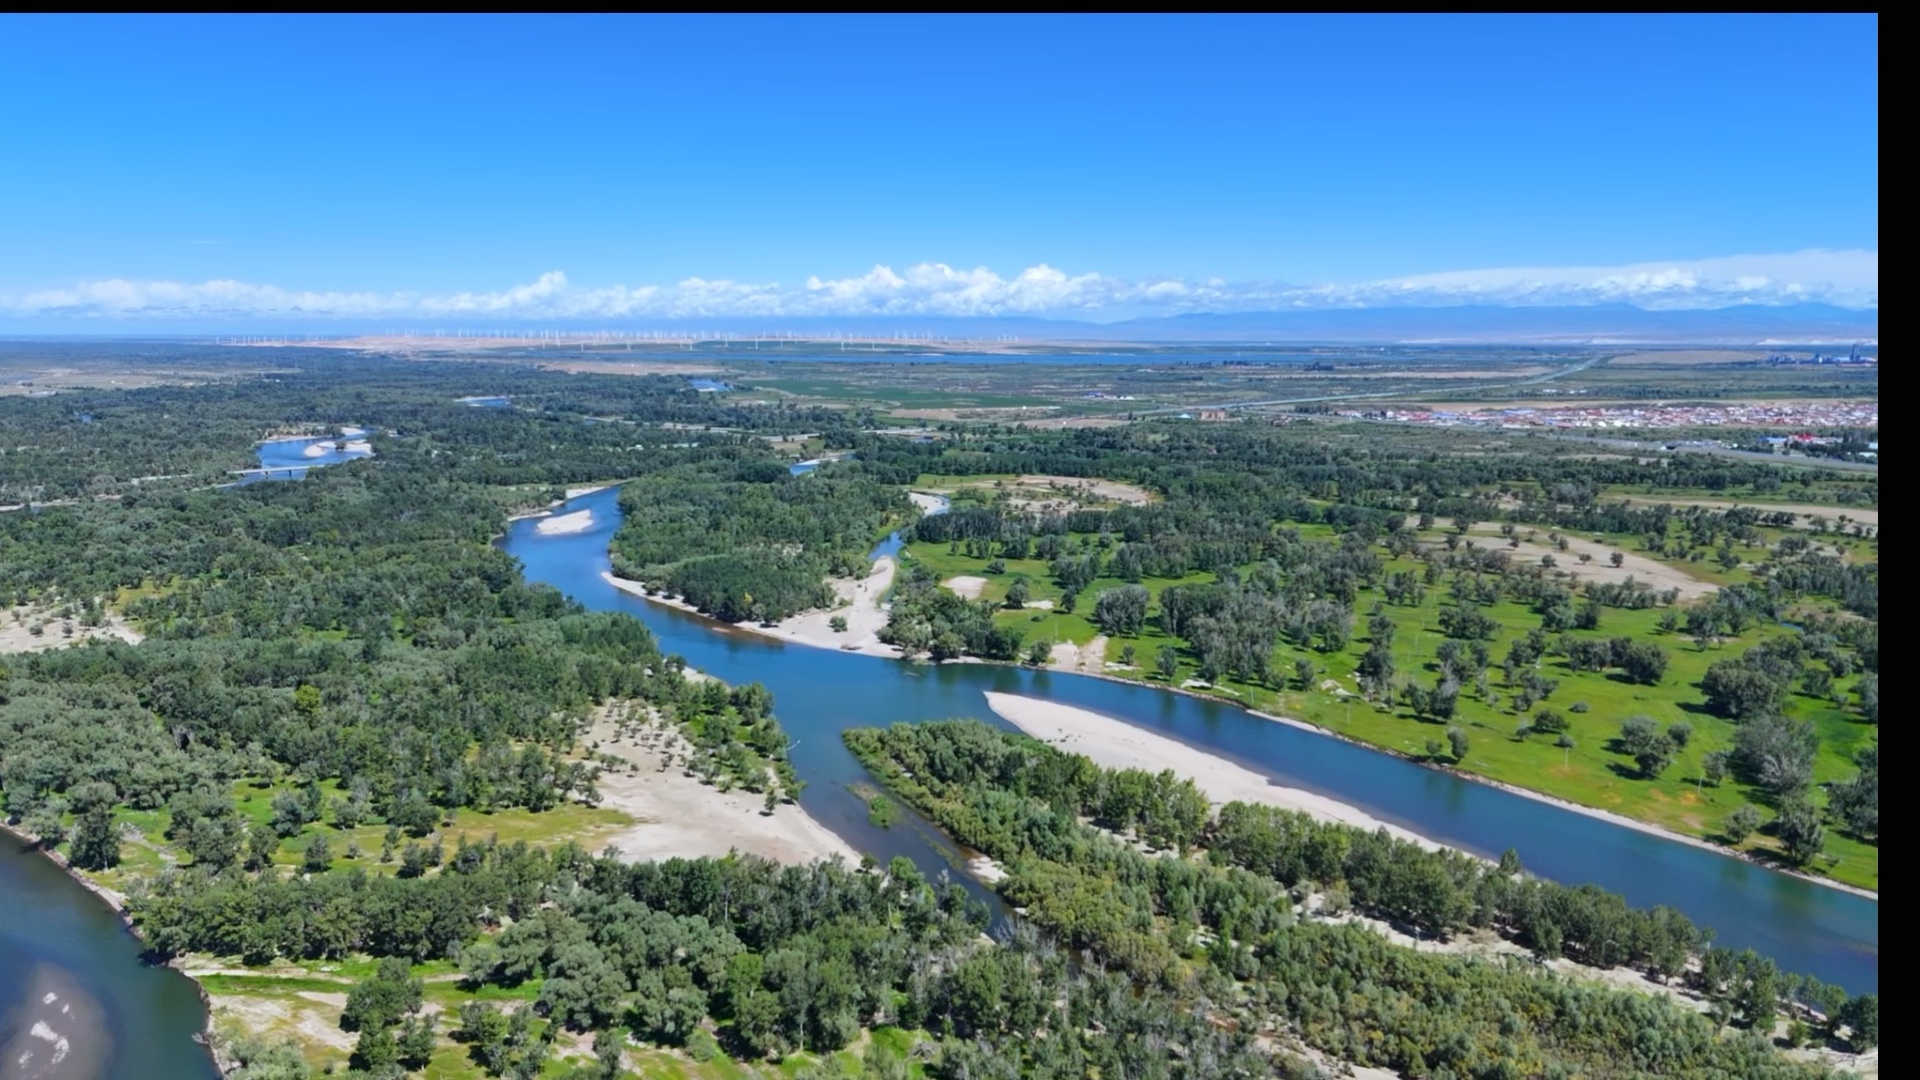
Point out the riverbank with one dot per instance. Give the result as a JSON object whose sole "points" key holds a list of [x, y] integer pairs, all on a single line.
{"points": [[1072, 661], [1116, 744], [1595, 812], [861, 604], [1611, 818]]}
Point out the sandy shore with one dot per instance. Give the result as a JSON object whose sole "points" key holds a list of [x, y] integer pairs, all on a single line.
{"points": [[675, 815], [1116, 744], [860, 603], [566, 524]]}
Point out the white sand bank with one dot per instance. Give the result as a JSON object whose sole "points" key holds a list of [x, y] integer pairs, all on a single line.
{"points": [[965, 585], [676, 815], [566, 524], [1116, 744], [860, 604]]}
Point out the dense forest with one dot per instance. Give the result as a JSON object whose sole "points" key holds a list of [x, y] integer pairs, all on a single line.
{"points": [[1228, 927], [746, 539], [351, 651]]}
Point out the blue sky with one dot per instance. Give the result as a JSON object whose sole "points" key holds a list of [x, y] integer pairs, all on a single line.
{"points": [[683, 166]]}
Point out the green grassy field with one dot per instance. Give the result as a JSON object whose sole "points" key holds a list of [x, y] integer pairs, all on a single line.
{"points": [[1590, 773]]}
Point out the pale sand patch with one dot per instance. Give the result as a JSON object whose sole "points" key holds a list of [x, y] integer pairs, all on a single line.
{"points": [[1103, 490], [16, 630], [315, 1025], [965, 585], [1658, 575], [1804, 513], [928, 502], [566, 524], [1090, 658], [577, 492], [677, 816], [1116, 744]]}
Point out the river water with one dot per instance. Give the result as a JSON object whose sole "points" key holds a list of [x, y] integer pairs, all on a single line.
{"points": [[818, 693], [75, 1000]]}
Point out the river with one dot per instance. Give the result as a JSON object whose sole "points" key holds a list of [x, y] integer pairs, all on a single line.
{"points": [[1804, 926], [75, 999], [71, 971]]}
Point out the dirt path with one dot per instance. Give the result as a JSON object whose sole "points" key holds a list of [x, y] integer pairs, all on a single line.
{"points": [[1659, 575]]}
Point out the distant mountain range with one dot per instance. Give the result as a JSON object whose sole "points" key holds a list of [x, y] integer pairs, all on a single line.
{"points": [[1606, 324], [1599, 325]]}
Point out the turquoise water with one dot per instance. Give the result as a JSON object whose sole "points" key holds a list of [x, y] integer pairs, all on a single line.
{"points": [[818, 693]]}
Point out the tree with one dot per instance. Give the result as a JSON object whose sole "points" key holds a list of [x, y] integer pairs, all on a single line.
{"points": [[47, 820], [1651, 749], [1549, 722], [1018, 592], [378, 1003], [318, 856], [1737, 690], [415, 1044], [1457, 741], [1039, 653], [1776, 753], [1741, 823], [1167, 662], [1857, 801], [1861, 1015], [1303, 673], [1122, 610], [1376, 666], [1713, 766], [1641, 661], [96, 838], [1799, 829], [1816, 681], [290, 813], [1127, 654]]}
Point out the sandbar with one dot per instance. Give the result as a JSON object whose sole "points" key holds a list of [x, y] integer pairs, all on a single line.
{"points": [[1116, 744], [566, 524]]}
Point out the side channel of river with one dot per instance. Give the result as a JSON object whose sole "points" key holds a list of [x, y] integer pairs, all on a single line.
{"points": [[818, 693]]}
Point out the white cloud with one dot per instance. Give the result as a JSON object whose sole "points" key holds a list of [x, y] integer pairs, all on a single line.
{"points": [[1844, 278]]}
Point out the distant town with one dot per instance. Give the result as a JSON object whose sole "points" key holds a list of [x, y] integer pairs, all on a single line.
{"points": [[1800, 415]]}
